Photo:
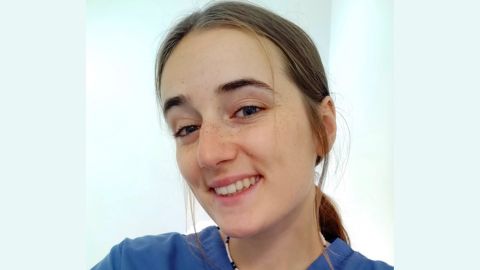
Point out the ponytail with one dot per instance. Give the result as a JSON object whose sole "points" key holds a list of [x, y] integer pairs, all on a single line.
{"points": [[329, 220]]}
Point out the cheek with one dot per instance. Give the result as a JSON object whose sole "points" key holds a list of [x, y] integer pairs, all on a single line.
{"points": [[187, 165], [295, 146], [280, 140], [258, 141]]}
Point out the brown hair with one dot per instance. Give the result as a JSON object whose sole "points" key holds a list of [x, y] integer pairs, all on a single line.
{"points": [[304, 68]]}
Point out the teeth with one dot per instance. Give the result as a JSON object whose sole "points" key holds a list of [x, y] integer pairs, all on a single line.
{"points": [[222, 190], [231, 188], [235, 187], [239, 185], [246, 182]]}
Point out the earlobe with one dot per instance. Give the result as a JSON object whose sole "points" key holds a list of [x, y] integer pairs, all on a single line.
{"points": [[327, 115]]}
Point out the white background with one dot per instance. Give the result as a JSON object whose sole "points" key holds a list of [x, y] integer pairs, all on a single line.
{"points": [[133, 185]]}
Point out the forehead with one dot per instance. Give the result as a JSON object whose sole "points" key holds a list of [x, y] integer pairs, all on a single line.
{"points": [[207, 58]]}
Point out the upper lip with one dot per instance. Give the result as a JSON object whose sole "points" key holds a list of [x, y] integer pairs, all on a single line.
{"points": [[225, 181]]}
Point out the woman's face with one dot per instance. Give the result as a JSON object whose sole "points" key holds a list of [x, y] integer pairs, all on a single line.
{"points": [[241, 128]]}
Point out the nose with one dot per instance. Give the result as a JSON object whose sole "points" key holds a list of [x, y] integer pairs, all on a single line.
{"points": [[215, 146]]}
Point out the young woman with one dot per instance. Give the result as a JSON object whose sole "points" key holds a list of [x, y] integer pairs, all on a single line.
{"points": [[245, 95]]}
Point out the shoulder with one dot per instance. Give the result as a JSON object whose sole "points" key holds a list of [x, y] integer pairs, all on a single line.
{"points": [[359, 261], [164, 251], [343, 257]]}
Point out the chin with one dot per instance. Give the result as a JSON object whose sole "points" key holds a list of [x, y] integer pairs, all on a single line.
{"points": [[239, 229], [240, 233]]}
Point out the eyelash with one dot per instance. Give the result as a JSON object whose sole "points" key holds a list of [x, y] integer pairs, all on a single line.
{"points": [[178, 133], [257, 109]]}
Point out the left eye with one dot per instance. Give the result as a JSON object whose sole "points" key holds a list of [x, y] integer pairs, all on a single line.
{"points": [[247, 111]]}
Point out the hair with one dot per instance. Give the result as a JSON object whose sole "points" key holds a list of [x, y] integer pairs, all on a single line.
{"points": [[303, 66]]}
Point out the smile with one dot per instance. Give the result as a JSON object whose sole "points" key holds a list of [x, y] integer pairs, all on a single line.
{"points": [[237, 186]]}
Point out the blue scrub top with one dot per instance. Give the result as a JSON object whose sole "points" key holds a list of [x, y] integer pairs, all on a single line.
{"points": [[178, 251]]}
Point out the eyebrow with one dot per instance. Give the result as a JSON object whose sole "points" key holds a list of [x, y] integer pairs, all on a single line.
{"points": [[223, 88], [172, 102], [233, 85]]}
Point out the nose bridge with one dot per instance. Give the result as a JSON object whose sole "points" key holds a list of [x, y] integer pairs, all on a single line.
{"points": [[214, 145]]}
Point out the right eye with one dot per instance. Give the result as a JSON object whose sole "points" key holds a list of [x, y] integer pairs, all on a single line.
{"points": [[185, 130]]}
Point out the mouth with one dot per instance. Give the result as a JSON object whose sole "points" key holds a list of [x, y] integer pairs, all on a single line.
{"points": [[237, 187]]}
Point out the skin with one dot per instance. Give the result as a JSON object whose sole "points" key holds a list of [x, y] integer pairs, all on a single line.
{"points": [[247, 131]]}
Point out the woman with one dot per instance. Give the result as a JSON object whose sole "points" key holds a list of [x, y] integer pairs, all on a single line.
{"points": [[245, 95]]}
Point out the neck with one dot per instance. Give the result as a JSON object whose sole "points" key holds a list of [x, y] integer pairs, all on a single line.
{"points": [[273, 248]]}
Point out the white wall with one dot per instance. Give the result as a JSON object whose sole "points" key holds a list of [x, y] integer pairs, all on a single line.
{"points": [[361, 77], [133, 185]]}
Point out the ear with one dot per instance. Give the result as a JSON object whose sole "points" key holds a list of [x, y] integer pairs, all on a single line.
{"points": [[327, 114]]}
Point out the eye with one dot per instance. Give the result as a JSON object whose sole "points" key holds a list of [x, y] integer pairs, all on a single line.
{"points": [[186, 130], [247, 111]]}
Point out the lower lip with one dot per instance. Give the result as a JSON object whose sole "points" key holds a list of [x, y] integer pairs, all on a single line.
{"points": [[237, 197]]}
